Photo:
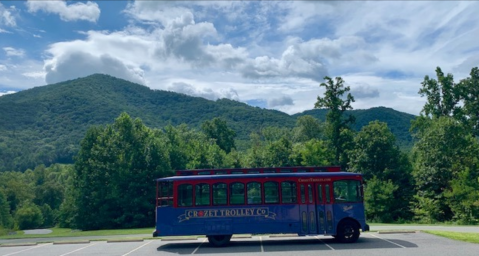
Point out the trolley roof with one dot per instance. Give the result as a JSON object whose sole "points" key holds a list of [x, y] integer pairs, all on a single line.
{"points": [[260, 175]]}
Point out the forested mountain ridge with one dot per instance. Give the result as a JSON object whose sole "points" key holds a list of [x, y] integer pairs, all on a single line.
{"points": [[398, 122], [45, 124]]}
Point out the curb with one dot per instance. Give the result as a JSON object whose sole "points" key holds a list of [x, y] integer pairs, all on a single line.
{"points": [[73, 242], [19, 244], [124, 240], [398, 232], [242, 236], [178, 239], [284, 235]]}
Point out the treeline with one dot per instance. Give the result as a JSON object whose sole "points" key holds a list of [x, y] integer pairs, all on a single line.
{"points": [[111, 183], [33, 199]]}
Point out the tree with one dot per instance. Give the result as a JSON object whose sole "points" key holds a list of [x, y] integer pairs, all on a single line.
{"points": [[333, 100], [279, 153], [469, 89], [442, 95], [6, 220], [68, 211], [377, 157], [49, 215], [308, 128], [16, 189], [28, 216], [311, 153], [234, 159], [176, 140], [218, 129], [346, 140], [379, 200], [374, 152], [272, 134], [113, 175], [50, 193], [442, 151], [256, 154], [464, 196]]}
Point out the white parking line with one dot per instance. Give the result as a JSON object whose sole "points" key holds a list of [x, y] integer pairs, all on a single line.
{"points": [[137, 248], [325, 243], [388, 241], [79, 249], [38, 246], [261, 243], [204, 240]]}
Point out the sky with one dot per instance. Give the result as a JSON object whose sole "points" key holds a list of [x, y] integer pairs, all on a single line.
{"points": [[269, 54]]}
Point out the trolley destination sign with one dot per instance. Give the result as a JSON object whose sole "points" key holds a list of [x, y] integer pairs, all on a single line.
{"points": [[314, 179], [235, 212]]}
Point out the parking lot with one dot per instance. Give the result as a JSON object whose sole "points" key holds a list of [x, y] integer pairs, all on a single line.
{"points": [[369, 244]]}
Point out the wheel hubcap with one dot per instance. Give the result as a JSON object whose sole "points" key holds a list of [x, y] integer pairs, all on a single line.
{"points": [[348, 232]]}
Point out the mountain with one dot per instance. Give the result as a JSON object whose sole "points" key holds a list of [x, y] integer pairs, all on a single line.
{"points": [[398, 122], [45, 124]]}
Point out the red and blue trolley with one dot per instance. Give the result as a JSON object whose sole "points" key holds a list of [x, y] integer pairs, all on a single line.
{"points": [[218, 206]]}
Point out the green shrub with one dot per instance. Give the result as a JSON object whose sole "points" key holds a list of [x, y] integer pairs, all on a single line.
{"points": [[28, 216]]}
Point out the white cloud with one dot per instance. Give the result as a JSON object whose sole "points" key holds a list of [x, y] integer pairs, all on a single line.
{"points": [[7, 17], [206, 93], [179, 46], [275, 51], [10, 51], [153, 11], [7, 92], [364, 91], [182, 39], [88, 11], [401, 95], [79, 64], [311, 59], [282, 101], [466, 66], [35, 74], [12, 74], [403, 35]]}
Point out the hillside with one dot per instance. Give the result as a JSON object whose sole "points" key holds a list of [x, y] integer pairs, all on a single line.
{"points": [[45, 124], [398, 122]]}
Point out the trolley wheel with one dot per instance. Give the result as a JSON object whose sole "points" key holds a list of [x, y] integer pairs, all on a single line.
{"points": [[348, 232], [219, 241]]}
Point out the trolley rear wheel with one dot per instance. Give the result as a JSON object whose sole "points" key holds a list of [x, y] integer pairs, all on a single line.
{"points": [[348, 232]]}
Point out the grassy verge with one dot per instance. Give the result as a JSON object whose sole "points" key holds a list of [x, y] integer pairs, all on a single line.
{"points": [[419, 224], [466, 237], [66, 232]]}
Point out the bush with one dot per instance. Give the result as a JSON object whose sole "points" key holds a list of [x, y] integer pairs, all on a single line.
{"points": [[6, 220], [28, 216], [49, 216]]}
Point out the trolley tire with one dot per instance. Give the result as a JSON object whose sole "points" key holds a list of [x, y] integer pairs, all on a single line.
{"points": [[219, 241], [348, 232]]}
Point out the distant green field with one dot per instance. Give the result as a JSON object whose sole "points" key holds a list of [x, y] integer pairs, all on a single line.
{"points": [[418, 224], [66, 232], [466, 237]]}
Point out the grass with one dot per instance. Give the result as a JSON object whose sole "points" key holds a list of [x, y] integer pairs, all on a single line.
{"points": [[466, 237], [66, 232], [419, 224]]}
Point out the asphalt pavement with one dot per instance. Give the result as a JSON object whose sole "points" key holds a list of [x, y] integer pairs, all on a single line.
{"points": [[370, 243], [374, 228]]}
